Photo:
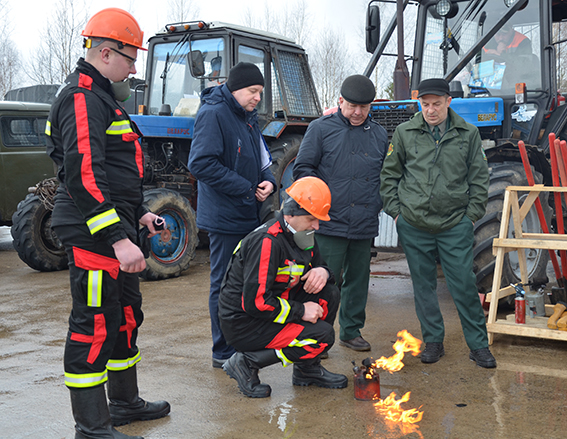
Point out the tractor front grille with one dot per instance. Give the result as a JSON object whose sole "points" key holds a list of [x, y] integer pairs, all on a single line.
{"points": [[390, 114]]}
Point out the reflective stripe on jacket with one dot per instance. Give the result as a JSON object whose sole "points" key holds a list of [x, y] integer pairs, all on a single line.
{"points": [[264, 275], [100, 159]]}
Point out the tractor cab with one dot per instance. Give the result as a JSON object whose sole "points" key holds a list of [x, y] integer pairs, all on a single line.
{"points": [[187, 58], [484, 49]]}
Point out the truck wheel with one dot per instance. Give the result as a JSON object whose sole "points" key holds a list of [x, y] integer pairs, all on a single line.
{"points": [[486, 229], [284, 151], [36, 244], [171, 251]]}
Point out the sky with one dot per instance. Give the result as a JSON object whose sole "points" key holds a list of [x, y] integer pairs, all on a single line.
{"points": [[29, 17]]}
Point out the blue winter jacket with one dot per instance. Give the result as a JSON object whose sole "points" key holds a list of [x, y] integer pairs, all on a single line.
{"points": [[226, 160]]}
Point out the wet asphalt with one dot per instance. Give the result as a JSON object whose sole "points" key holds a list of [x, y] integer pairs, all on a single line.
{"points": [[524, 397]]}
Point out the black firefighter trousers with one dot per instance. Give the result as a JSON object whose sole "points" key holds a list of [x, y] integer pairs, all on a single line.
{"points": [[293, 342], [106, 314]]}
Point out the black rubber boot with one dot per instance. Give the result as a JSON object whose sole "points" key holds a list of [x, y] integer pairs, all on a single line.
{"points": [[91, 414], [306, 373], [244, 366], [125, 405]]}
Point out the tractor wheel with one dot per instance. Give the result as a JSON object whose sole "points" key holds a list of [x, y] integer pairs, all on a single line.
{"points": [[284, 151], [486, 229], [36, 244], [171, 251]]}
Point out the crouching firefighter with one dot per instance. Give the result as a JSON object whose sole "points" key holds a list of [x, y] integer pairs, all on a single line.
{"points": [[97, 213], [278, 300]]}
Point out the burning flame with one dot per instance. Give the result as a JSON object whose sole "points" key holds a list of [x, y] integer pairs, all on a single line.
{"points": [[405, 420], [405, 343]]}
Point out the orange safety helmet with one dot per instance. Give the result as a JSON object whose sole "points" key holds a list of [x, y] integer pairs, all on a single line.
{"points": [[313, 195], [115, 24]]}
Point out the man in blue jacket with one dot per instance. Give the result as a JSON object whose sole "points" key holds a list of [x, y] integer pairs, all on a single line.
{"points": [[346, 150], [230, 160]]}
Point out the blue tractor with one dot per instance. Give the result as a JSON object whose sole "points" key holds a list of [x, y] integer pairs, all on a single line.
{"points": [[457, 40], [182, 61]]}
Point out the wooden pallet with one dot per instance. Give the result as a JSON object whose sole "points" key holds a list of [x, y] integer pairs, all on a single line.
{"points": [[534, 327]]}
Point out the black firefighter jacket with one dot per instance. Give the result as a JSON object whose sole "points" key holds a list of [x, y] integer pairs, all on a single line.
{"points": [[262, 279], [100, 160]]}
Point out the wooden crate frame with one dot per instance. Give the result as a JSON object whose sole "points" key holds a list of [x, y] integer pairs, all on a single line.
{"points": [[534, 327]]}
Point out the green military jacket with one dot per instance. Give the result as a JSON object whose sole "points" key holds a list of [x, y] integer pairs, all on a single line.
{"points": [[432, 185]]}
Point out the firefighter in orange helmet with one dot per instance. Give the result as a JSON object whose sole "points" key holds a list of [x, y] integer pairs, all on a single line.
{"points": [[278, 300], [98, 211]]}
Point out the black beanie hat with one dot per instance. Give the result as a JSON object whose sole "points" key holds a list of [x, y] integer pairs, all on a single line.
{"points": [[358, 90], [242, 75]]}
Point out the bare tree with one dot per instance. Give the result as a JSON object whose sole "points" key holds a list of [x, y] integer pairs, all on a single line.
{"points": [[9, 55], [292, 19], [9, 65], [56, 58], [295, 21], [559, 34], [179, 11], [329, 65]]}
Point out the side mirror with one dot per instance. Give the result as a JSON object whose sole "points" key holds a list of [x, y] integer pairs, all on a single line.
{"points": [[372, 27], [196, 63]]}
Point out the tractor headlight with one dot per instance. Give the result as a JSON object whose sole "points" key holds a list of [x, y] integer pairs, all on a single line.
{"points": [[443, 7]]}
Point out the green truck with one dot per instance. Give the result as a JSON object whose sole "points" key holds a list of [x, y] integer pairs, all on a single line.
{"points": [[24, 163]]}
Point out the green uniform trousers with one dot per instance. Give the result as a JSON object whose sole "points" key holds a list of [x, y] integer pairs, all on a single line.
{"points": [[454, 247], [353, 257]]}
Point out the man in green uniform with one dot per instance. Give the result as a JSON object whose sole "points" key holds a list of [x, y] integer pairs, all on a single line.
{"points": [[435, 184]]}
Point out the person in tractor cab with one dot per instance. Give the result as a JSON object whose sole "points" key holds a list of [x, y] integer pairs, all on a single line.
{"points": [[511, 60], [346, 150], [98, 211], [435, 185], [230, 160], [507, 41], [278, 300]]}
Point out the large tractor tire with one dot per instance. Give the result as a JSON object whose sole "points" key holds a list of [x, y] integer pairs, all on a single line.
{"points": [[284, 151], [36, 244], [486, 229], [171, 251]]}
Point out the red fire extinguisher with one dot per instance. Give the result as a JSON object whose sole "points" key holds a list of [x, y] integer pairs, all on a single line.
{"points": [[520, 304]]}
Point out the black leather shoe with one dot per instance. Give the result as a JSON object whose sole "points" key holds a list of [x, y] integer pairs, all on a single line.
{"points": [[314, 373], [219, 362], [483, 358], [246, 375], [432, 352], [356, 344]]}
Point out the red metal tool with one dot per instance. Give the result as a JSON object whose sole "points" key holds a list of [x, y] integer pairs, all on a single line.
{"points": [[561, 164], [554, 145], [539, 209]]}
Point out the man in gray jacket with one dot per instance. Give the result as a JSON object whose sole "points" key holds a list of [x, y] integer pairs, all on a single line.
{"points": [[346, 150]]}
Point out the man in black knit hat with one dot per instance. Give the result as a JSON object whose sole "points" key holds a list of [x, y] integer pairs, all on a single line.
{"points": [[230, 160], [346, 150]]}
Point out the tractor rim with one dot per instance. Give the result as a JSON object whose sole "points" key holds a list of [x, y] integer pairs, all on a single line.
{"points": [[171, 244]]}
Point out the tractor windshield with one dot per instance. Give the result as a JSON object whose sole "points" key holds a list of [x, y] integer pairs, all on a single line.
{"points": [[171, 77], [512, 55]]}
